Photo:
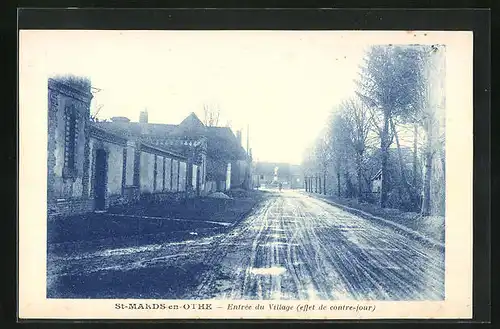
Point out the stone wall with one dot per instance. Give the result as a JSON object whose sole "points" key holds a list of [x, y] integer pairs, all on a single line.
{"points": [[67, 150], [129, 179], [64, 207], [115, 169], [218, 174], [147, 172], [168, 175], [175, 175], [159, 174], [182, 175], [239, 172], [134, 171]]}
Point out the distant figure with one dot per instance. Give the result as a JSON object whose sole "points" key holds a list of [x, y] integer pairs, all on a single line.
{"points": [[280, 186]]}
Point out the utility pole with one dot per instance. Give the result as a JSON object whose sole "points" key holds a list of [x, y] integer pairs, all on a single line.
{"points": [[249, 160], [248, 138]]}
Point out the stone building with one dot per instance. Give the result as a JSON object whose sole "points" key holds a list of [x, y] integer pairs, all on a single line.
{"points": [[216, 160], [90, 168], [95, 165]]}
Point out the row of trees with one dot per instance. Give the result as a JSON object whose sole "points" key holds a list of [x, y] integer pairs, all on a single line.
{"points": [[392, 129]]}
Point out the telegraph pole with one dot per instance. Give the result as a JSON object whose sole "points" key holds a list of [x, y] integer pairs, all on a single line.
{"points": [[248, 138], [249, 160]]}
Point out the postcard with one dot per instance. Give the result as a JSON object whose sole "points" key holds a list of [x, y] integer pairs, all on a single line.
{"points": [[245, 174]]}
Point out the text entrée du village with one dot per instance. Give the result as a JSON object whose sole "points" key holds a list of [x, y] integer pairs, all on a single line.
{"points": [[299, 307]]}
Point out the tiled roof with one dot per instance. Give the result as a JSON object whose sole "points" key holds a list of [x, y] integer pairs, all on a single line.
{"points": [[221, 141], [134, 129]]}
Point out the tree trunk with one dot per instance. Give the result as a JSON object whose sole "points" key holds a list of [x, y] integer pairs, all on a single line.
{"points": [[359, 176], [426, 188], [426, 197], [384, 147], [415, 155], [442, 153], [349, 188], [338, 183], [404, 181], [324, 183]]}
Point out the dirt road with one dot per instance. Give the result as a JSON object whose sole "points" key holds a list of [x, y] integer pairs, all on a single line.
{"points": [[292, 247]]}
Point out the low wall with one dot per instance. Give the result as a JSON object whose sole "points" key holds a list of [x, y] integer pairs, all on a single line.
{"points": [[67, 207], [117, 200], [162, 197], [131, 193]]}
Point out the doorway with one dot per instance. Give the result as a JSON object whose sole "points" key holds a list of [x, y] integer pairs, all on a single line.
{"points": [[100, 179], [198, 181]]}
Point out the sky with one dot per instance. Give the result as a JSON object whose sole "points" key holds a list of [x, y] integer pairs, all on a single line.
{"points": [[280, 84]]}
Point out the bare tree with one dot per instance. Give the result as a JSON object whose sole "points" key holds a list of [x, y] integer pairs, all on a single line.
{"points": [[95, 112], [322, 158], [404, 84], [339, 151], [433, 103], [391, 83], [358, 121], [212, 116], [96, 108]]}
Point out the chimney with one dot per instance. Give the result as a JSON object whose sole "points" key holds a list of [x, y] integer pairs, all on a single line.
{"points": [[143, 117], [238, 136]]}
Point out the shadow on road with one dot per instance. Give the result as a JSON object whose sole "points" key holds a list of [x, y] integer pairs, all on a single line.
{"points": [[166, 282]]}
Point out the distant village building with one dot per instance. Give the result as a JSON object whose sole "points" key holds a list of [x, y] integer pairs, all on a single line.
{"points": [[269, 174], [393, 168], [377, 182], [94, 165]]}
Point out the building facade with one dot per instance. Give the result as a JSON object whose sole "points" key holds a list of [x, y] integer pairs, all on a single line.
{"points": [[94, 165], [271, 174], [90, 168], [216, 161]]}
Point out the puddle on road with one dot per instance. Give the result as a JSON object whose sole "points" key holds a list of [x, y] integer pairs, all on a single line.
{"points": [[277, 270], [147, 248], [129, 250]]}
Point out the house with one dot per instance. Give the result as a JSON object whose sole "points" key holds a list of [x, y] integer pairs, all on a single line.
{"points": [[269, 174], [373, 165], [377, 182], [95, 165], [216, 160]]}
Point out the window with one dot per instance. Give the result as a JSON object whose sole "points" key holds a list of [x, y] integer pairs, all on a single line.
{"points": [[71, 137], [261, 176]]}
